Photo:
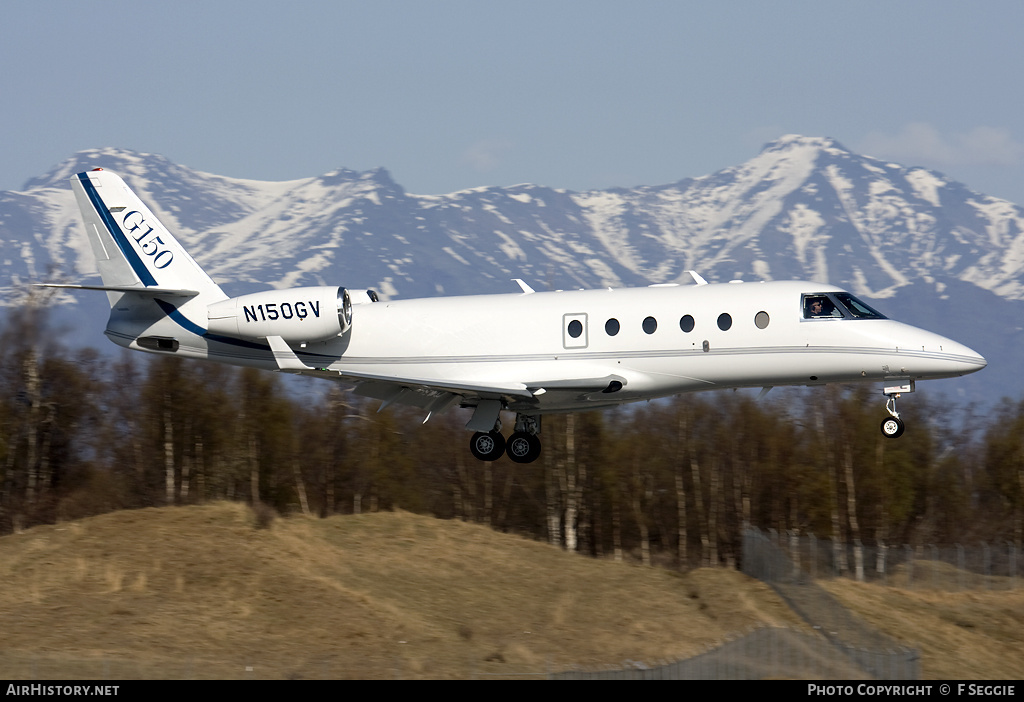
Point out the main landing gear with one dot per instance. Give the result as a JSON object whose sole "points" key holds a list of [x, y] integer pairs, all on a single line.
{"points": [[893, 426], [523, 446]]}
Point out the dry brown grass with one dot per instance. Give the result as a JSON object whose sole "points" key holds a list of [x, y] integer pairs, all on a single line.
{"points": [[970, 635], [201, 592]]}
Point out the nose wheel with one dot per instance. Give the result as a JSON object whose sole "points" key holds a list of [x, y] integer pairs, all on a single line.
{"points": [[892, 426]]}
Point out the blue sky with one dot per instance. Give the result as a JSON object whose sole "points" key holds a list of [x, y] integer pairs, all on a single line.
{"points": [[450, 94]]}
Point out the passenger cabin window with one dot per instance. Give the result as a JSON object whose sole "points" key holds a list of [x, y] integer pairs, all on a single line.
{"points": [[837, 306], [574, 331]]}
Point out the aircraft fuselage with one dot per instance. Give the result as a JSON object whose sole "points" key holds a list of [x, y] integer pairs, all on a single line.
{"points": [[528, 340]]}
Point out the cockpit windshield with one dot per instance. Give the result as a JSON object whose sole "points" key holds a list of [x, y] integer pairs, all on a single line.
{"points": [[837, 306], [857, 308]]}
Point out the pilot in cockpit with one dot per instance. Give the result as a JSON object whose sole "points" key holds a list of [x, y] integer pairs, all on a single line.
{"points": [[819, 306]]}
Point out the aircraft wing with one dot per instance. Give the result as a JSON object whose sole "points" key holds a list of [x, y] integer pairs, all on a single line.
{"points": [[432, 394], [435, 394], [610, 383], [488, 398], [486, 390]]}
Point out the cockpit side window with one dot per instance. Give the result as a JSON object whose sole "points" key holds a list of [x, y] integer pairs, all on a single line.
{"points": [[821, 307], [858, 308], [837, 306]]}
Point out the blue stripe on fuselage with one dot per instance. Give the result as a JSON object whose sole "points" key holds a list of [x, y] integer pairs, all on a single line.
{"points": [[182, 321], [190, 326]]}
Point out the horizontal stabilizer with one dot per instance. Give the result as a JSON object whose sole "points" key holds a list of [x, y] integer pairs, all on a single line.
{"points": [[149, 292]]}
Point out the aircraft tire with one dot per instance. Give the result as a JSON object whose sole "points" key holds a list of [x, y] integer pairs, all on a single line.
{"points": [[892, 427], [523, 447], [487, 446]]}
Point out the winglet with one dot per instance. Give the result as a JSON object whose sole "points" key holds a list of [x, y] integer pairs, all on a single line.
{"points": [[697, 278], [285, 357]]}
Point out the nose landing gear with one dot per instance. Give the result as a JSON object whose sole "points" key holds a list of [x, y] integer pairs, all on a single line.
{"points": [[893, 426]]}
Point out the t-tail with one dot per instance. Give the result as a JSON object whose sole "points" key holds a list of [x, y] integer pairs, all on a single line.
{"points": [[154, 286], [135, 253], [162, 301]]}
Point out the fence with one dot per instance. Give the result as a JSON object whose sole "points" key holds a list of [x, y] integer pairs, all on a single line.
{"points": [[763, 654], [877, 654], [845, 648], [957, 567]]}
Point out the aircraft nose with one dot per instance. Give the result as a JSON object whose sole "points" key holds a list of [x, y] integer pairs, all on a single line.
{"points": [[976, 358], [963, 355], [942, 357]]}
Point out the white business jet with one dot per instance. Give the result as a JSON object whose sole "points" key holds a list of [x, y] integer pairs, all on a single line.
{"points": [[529, 353]]}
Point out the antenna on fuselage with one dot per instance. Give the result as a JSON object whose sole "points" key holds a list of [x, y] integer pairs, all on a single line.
{"points": [[522, 284]]}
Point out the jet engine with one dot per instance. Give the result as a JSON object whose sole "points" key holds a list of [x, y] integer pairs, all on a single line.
{"points": [[297, 315]]}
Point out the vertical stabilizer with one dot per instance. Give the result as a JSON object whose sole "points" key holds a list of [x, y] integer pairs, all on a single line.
{"points": [[133, 248]]}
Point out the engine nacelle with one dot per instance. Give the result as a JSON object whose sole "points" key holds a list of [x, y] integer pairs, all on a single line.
{"points": [[297, 315]]}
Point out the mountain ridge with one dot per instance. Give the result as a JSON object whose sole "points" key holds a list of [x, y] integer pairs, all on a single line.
{"points": [[764, 219]]}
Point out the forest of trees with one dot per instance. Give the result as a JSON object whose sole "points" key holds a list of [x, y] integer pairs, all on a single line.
{"points": [[670, 482]]}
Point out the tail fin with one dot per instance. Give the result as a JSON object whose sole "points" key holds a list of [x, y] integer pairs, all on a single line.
{"points": [[134, 251]]}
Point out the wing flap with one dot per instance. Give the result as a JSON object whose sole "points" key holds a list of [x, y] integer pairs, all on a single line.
{"points": [[491, 390]]}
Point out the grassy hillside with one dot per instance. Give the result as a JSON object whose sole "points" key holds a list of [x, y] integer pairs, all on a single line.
{"points": [[201, 592], [974, 634]]}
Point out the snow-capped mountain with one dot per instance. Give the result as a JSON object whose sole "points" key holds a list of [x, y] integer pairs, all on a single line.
{"points": [[929, 250]]}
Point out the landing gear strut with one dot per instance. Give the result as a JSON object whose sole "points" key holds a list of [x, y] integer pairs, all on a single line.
{"points": [[893, 426]]}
